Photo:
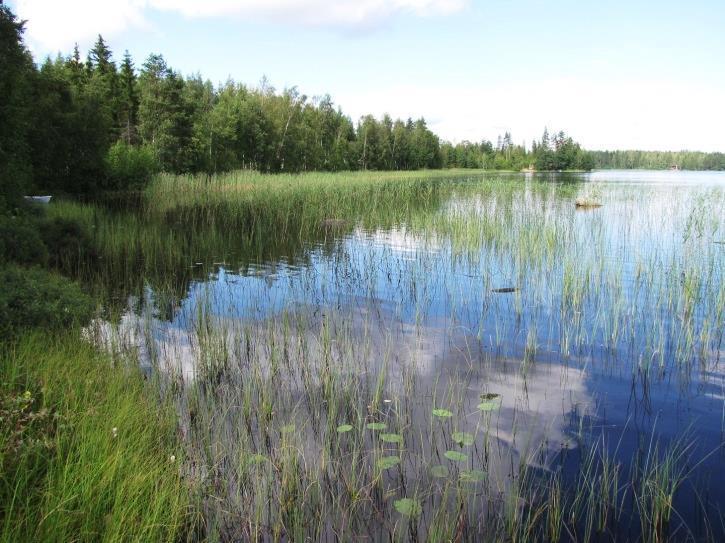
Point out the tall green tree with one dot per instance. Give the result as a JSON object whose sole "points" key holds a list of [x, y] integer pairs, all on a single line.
{"points": [[70, 133], [165, 118], [128, 101], [104, 84], [16, 75]]}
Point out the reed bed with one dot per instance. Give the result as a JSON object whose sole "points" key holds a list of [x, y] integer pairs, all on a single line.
{"points": [[411, 357]]}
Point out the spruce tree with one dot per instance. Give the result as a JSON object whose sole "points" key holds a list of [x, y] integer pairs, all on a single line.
{"points": [[77, 69], [100, 56], [16, 74], [129, 101]]}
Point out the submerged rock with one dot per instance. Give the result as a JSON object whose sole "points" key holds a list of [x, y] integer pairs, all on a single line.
{"points": [[584, 203]]}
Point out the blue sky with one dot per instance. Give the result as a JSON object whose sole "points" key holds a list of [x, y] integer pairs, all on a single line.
{"points": [[616, 74]]}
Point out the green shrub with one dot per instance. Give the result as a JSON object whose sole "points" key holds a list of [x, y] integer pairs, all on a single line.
{"points": [[35, 298], [67, 242], [129, 167], [20, 242]]}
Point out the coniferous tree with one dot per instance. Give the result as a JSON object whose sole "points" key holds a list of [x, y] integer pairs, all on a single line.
{"points": [[129, 101], [77, 69], [16, 79], [100, 57], [165, 117], [104, 84]]}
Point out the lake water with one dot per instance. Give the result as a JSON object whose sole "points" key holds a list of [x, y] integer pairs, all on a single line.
{"points": [[554, 336]]}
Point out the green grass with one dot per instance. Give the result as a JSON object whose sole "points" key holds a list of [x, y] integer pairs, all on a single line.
{"points": [[86, 448]]}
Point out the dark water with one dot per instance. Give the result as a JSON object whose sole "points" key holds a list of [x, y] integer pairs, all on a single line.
{"points": [[598, 327]]}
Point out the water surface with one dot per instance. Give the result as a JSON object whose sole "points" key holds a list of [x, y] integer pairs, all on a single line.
{"points": [[592, 330]]}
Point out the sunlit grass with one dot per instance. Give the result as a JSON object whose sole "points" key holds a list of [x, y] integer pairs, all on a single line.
{"points": [[93, 453]]}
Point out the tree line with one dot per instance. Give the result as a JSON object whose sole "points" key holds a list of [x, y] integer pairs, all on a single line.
{"points": [[82, 125], [550, 153], [658, 160]]}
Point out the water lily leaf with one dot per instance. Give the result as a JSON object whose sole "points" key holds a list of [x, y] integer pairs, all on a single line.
{"points": [[391, 438], [473, 476], [455, 456], [387, 462], [490, 405], [408, 507], [439, 472], [464, 439], [442, 413], [377, 426], [344, 428]]}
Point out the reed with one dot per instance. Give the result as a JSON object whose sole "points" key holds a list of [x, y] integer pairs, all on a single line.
{"points": [[404, 356]]}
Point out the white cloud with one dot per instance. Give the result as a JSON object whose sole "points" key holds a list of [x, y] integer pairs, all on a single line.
{"points": [[312, 12], [54, 25]]}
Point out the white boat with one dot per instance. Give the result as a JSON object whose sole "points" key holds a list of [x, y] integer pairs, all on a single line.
{"points": [[39, 199]]}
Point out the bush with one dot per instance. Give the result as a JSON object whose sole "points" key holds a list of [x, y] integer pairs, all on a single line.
{"points": [[35, 298], [67, 242], [20, 242], [129, 167]]}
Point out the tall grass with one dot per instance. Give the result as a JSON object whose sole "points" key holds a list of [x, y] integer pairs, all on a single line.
{"points": [[87, 450]]}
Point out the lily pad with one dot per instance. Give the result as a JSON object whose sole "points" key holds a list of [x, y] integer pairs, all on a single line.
{"points": [[439, 472], [391, 438], [455, 456], [490, 405], [473, 476], [387, 462], [344, 428], [376, 426], [464, 439], [408, 507], [442, 413]]}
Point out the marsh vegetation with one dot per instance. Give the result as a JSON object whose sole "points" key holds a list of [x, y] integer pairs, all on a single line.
{"points": [[462, 357]]}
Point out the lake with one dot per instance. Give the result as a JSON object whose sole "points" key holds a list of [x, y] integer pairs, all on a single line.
{"points": [[479, 359]]}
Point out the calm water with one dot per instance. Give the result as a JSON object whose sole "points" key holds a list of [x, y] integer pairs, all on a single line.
{"points": [[611, 337]]}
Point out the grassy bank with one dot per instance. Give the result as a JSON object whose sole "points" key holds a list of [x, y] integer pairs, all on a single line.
{"points": [[87, 451]]}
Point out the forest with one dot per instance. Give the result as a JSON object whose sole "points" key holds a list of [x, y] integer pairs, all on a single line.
{"points": [[657, 160], [551, 153], [82, 125]]}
